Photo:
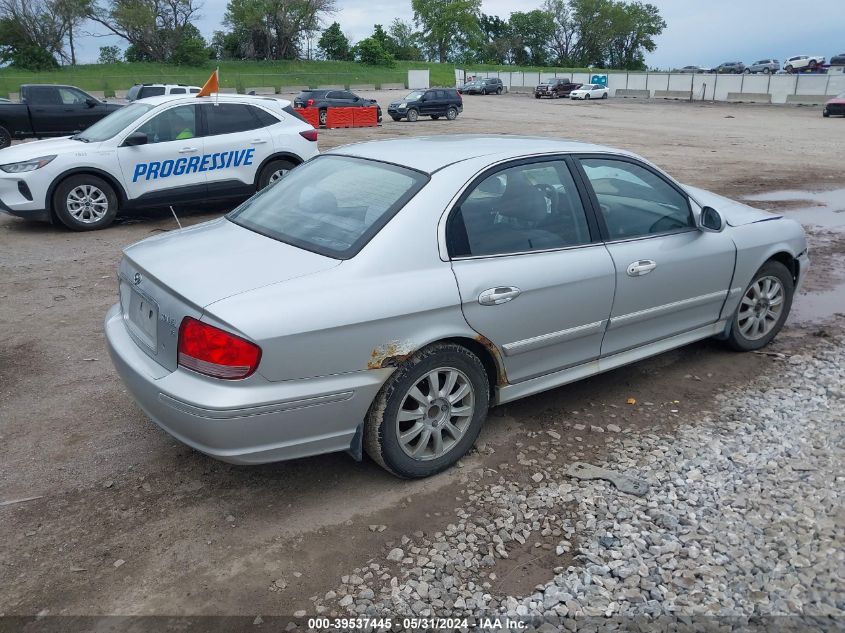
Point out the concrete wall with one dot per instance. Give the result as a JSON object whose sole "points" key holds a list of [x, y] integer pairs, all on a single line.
{"points": [[707, 87]]}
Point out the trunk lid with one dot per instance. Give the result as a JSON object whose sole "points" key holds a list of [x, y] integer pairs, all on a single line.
{"points": [[168, 277]]}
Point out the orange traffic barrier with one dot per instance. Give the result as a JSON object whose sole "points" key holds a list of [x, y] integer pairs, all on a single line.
{"points": [[312, 115], [340, 117], [365, 117]]}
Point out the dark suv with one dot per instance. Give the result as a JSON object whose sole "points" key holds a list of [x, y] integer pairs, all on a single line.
{"points": [[555, 88], [488, 86], [434, 102], [324, 99], [730, 68]]}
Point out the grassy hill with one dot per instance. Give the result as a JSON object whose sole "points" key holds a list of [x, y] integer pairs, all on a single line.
{"points": [[238, 74]]}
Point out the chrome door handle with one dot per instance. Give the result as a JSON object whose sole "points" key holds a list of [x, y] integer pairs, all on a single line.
{"points": [[188, 150], [642, 267], [258, 141], [497, 296]]}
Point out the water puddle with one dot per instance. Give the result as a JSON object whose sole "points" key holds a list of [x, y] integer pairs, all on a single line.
{"points": [[819, 208], [822, 213]]}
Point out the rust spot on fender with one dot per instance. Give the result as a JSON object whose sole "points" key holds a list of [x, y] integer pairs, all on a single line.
{"points": [[390, 354], [501, 376]]}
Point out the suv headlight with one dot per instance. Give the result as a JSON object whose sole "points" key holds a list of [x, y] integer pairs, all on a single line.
{"points": [[402, 106], [27, 165]]}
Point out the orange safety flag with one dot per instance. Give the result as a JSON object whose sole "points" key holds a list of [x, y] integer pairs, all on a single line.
{"points": [[212, 85]]}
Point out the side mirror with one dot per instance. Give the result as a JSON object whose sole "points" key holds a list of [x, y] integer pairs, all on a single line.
{"points": [[91, 102], [135, 139], [711, 220]]}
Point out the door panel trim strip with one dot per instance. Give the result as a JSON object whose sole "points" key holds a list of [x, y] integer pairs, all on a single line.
{"points": [[552, 338], [650, 313]]}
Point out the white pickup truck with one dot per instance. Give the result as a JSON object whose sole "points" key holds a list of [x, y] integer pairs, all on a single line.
{"points": [[800, 62]]}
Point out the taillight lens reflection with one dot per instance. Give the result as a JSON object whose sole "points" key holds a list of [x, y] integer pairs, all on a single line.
{"points": [[214, 352]]}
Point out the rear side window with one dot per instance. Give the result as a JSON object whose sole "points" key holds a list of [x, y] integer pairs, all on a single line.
{"points": [[228, 118], [266, 119], [43, 95], [194, 91], [290, 111], [178, 91], [525, 208], [332, 205], [151, 91]]}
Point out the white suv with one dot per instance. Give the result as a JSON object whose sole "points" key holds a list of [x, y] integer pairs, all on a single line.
{"points": [[142, 91], [800, 62], [155, 152]]}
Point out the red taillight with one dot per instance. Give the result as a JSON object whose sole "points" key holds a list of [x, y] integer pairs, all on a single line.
{"points": [[213, 352], [309, 103], [310, 135]]}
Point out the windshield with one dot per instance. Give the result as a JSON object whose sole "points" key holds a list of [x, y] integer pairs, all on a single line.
{"points": [[114, 123], [332, 205], [416, 94]]}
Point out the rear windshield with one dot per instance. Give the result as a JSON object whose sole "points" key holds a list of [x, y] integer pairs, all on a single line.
{"points": [[332, 205]]}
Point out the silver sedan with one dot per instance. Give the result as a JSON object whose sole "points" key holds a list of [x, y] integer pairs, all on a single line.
{"points": [[382, 296]]}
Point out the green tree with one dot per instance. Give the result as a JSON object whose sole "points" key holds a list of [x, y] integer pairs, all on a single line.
{"points": [[334, 44], [531, 33], [191, 49], [565, 34], [447, 24], [635, 25], [407, 40], [370, 51], [109, 55], [19, 51], [495, 43]]}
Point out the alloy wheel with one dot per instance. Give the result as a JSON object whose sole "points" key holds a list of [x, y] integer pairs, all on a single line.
{"points": [[435, 414], [761, 308], [87, 204]]}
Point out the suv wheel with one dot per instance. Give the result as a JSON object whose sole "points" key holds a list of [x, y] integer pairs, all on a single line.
{"points": [[5, 137], [324, 116], [499, 90], [452, 113], [85, 203], [766, 70], [429, 412], [413, 115], [434, 117], [273, 171]]}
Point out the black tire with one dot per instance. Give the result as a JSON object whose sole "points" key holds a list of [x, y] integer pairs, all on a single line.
{"points": [[774, 269], [382, 427], [69, 203], [272, 172], [604, 96], [825, 113], [813, 64], [5, 137], [586, 97], [396, 118], [413, 115], [788, 69], [747, 71], [324, 116], [536, 96], [452, 113], [434, 117], [767, 71], [499, 91]]}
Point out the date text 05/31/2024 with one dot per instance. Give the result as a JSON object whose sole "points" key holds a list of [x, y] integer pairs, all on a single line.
{"points": [[185, 165]]}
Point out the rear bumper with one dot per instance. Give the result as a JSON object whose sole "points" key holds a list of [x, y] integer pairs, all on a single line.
{"points": [[250, 421]]}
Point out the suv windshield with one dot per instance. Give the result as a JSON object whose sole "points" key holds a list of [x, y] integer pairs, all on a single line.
{"points": [[332, 205], [114, 123], [416, 94]]}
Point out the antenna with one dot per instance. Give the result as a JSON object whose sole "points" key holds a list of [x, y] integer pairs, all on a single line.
{"points": [[174, 216]]}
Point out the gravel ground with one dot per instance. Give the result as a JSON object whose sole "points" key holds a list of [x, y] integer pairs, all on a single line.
{"points": [[743, 518]]}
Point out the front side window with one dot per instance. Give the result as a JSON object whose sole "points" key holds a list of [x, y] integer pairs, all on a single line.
{"points": [[635, 201], [228, 118], [114, 123], [175, 124], [520, 209], [69, 96], [332, 205]]}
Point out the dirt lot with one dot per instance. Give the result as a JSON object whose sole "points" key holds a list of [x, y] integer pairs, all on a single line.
{"points": [[130, 522]]}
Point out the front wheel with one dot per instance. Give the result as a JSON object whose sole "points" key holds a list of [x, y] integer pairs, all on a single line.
{"points": [[747, 71], [413, 115], [825, 113], [85, 203], [273, 172], [5, 137], [498, 91], [604, 96], [788, 69], [813, 64], [429, 412], [587, 97], [396, 118], [452, 114], [766, 71], [324, 116], [763, 308]]}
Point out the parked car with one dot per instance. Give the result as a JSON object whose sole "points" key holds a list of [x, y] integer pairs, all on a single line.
{"points": [[835, 107], [489, 239], [325, 99], [435, 102], [765, 66], [155, 152], [555, 88], [838, 60], [142, 91], [801, 62], [49, 110], [731, 68], [483, 86], [590, 91], [694, 69]]}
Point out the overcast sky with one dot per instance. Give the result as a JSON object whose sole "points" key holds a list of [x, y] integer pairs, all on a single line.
{"points": [[697, 32]]}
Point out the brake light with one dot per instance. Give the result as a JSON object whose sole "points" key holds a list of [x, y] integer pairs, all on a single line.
{"points": [[211, 351], [310, 135], [309, 103]]}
